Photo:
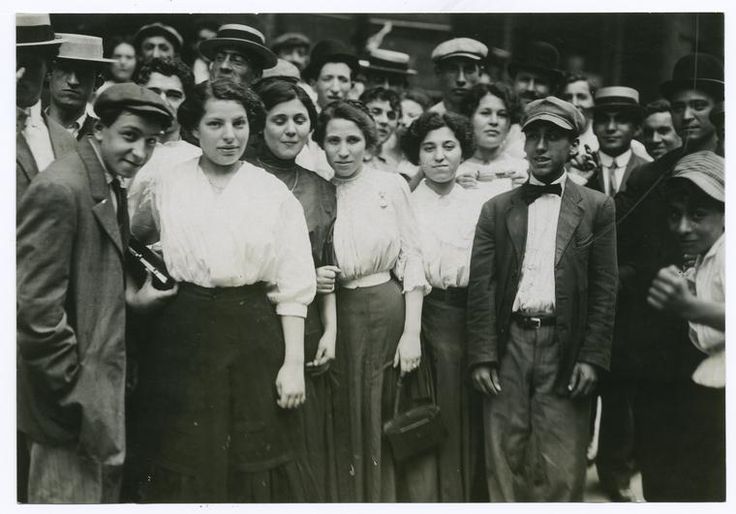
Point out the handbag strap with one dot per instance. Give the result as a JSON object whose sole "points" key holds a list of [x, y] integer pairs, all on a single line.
{"points": [[397, 398]]}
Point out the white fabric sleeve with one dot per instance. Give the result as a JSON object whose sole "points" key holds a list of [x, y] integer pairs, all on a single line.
{"points": [[409, 267]]}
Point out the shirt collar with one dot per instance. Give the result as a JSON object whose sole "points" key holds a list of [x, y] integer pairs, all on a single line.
{"points": [[711, 253], [561, 181], [76, 124], [621, 161], [108, 175], [34, 114]]}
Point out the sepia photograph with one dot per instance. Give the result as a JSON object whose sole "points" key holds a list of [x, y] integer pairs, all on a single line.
{"points": [[424, 257]]}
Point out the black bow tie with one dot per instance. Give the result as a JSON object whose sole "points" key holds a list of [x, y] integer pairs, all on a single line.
{"points": [[530, 192]]}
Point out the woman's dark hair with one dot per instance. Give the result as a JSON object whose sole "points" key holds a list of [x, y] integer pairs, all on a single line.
{"points": [[109, 45], [350, 110], [429, 121], [382, 94], [192, 110], [169, 67], [275, 92], [418, 96], [500, 90]]}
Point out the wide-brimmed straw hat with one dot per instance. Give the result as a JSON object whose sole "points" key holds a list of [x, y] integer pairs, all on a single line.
{"points": [[82, 48], [248, 40]]}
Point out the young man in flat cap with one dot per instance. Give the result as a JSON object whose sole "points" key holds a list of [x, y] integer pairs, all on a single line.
{"points": [[72, 237], [39, 140], [292, 47], [238, 52], [541, 302], [157, 40], [696, 199], [72, 81], [664, 359], [458, 64]]}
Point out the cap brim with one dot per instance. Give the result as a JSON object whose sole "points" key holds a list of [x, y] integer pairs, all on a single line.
{"points": [[551, 118], [705, 184], [467, 55], [265, 56], [389, 70], [709, 85]]}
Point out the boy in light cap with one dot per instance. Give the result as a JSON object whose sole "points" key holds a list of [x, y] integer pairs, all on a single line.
{"points": [[458, 64], [72, 237], [696, 199], [541, 303]]}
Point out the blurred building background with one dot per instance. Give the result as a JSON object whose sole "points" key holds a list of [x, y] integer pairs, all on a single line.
{"points": [[638, 50]]}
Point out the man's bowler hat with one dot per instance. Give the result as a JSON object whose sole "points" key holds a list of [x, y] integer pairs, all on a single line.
{"points": [[244, 38], [330, 50], [540, 57], [696, 71]]}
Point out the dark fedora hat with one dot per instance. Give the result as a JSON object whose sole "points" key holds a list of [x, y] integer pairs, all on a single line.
{"points": [[538, 56], [330, 50], [618, 98], [696, 71], [35, 30], [247, 39]]}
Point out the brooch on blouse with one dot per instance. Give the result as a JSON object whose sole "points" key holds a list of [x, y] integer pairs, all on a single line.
{"points": [[382, 200]]}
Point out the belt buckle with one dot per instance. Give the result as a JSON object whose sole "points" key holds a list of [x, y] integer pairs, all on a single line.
{"points": [[534, 322]]}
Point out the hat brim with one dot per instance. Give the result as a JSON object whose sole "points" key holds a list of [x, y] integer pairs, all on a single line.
{"points": [[314, 67], [393, 71], [88, 60], [464, 55], [620, 106], [705, 184], [711, 86], [266, 58], [554, 73], [551, 118], [58, 40]]}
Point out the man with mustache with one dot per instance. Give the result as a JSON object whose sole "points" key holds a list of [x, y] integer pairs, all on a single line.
{"points": [[541, 303], [72, 239], [664, 359], [72, 80], [535, 71], [458, 64]]}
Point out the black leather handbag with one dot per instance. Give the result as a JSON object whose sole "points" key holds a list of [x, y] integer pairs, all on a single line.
{"points": [[416, 430]]}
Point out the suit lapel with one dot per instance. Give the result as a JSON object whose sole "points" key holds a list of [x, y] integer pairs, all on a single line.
{"points": [[634, 162], [62, 142], [103, 208], [570, 215], [24, 157], [517, 217]]}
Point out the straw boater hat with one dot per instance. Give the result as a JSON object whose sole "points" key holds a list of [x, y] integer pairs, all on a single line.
{"points": [[387, 62], [82, 48], [330, 50], [696, 71], [245, 38], [35, 30], [618, 98], [538, 56], [159, 29]]}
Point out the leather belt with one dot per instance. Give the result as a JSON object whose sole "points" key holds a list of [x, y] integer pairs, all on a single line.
{"points": [[455, 296], [533, 322]]}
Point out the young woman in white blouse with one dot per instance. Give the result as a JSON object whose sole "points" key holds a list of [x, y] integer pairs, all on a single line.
{"points": [[380, 289], [225, 367], [446, 215]]}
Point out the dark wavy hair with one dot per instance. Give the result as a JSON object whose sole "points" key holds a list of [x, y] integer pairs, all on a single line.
{"points": [[579, 77], [350, 110], [192, 110], [382, 94], [429, 121], [169, 67], [418, 96], [655, 106], [500, 90], [275, 92]]}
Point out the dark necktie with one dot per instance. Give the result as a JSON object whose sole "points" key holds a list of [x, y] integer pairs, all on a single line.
{"points": [[530, 192], [121, 196]]}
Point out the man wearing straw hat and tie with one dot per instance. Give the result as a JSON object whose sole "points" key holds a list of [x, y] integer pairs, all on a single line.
{"points": [[72, 81]]}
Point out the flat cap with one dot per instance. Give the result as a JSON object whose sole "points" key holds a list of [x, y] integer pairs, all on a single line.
{"points": [[554, 110], [283, 70], [158, 29], [460, 47], [290, 40], [704, 169], [134, 98]]}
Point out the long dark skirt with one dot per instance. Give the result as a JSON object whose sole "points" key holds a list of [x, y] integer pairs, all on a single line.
{"points": [[211, 429], [370, 323], [444, 342]]}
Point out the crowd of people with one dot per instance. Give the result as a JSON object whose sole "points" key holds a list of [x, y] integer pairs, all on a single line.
{"points": [[329, 252]]}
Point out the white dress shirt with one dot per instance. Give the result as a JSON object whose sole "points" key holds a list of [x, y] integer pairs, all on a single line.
{"points": [[37, 136], [375, 230], [710, 283], [446, 229], [607, 165], [536, 293], [254, 230]]}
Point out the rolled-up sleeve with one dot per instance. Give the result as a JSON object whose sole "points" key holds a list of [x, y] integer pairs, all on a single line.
{"points": [[296, 282]]}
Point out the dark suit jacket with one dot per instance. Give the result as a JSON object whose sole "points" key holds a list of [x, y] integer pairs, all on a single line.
{"points": [[585, 277], [62, 142], [71, 310], [596, 181]]}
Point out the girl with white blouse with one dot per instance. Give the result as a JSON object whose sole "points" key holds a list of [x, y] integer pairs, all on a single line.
{"points": [[380, 290], [225, 367], [446, 215]]}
